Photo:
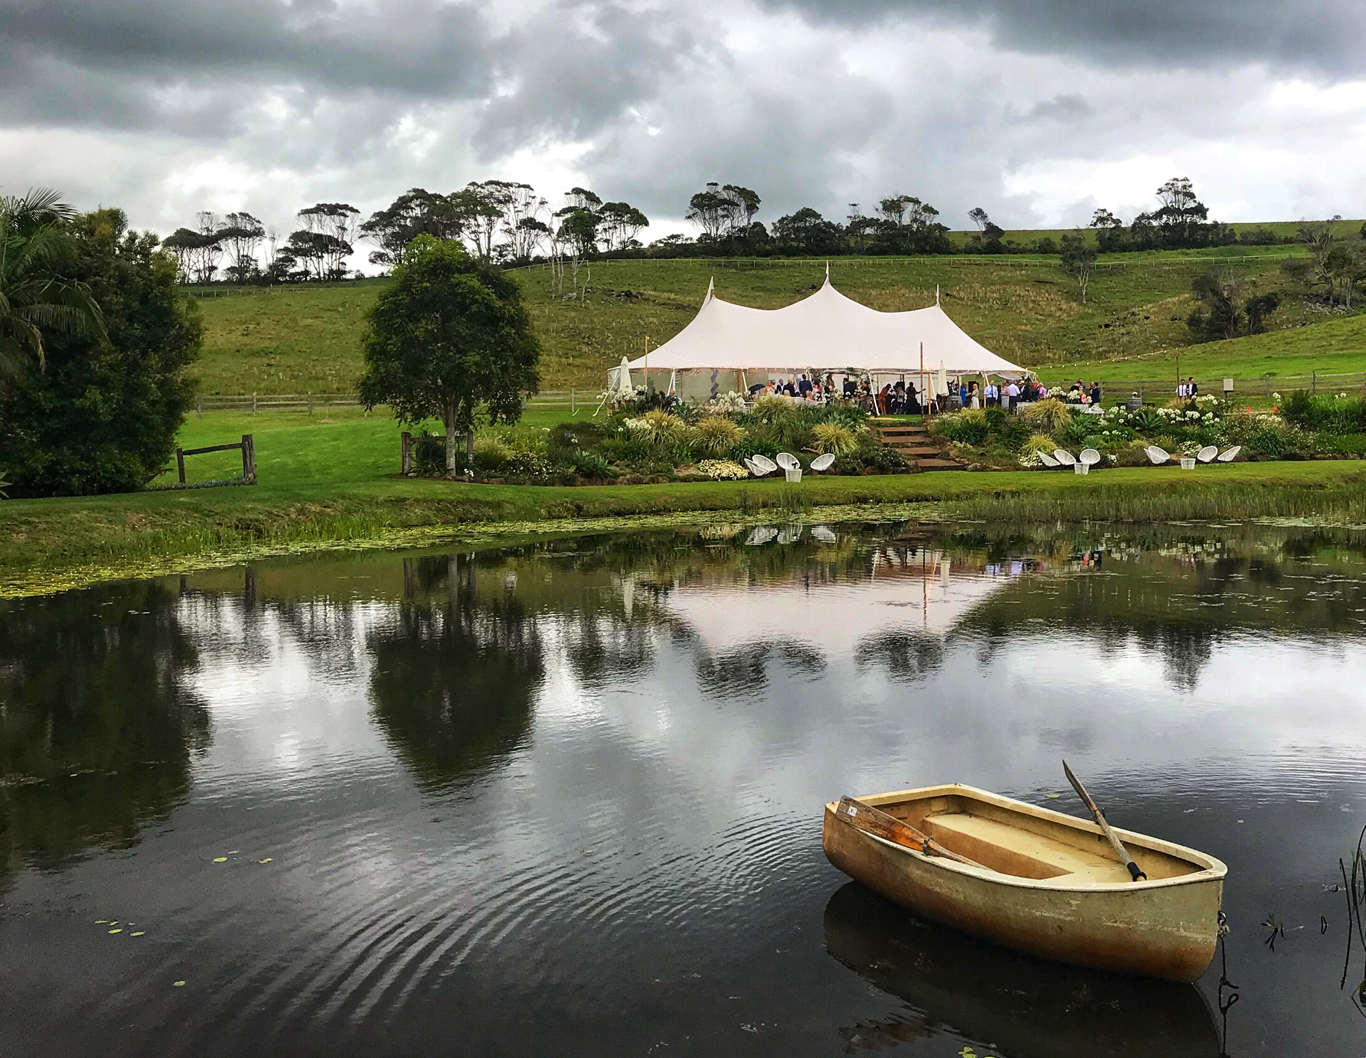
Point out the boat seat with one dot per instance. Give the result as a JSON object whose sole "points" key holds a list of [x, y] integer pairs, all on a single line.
{"points": [[1013, 850]]}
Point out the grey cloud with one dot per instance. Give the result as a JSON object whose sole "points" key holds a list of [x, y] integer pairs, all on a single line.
{"points": [[1067, 106], [414, 47], [1324, 37]]}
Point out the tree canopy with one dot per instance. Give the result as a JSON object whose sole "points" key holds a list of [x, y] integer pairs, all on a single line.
{"points": [[448, 337]]}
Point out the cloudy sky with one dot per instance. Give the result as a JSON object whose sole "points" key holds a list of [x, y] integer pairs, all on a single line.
{"points": [[1038, 110]]}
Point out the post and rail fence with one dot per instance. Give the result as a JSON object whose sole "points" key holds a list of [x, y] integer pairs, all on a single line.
{"points": [[247, 446], [253, 403]]}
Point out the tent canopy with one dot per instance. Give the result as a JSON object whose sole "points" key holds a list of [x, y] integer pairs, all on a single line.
{"points": [[826, 331]]}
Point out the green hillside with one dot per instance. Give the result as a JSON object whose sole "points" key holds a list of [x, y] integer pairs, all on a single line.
{"points": [[306, 338]]}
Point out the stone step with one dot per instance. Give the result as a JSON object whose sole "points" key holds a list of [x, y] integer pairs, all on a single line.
{"points": [[916, 450], [938, 464]]}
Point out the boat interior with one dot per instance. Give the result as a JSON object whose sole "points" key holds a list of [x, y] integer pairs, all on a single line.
{"points": [[1015, 842]]}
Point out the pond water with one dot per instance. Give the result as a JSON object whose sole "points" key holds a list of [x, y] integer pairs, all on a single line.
{"points": [[565, 798]]}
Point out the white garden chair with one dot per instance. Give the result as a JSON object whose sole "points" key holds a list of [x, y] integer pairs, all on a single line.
{"points": [[1064, 457], [761, 535], [1229, 454], [824, 462], [788, 461], [1048, 461], [763, 464], [1157, 456], [1088, 458], [790, 534], [1207, 454]]}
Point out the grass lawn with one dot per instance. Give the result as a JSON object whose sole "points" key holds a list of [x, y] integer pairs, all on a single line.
{"points": [[332, 482], [307, 338]]}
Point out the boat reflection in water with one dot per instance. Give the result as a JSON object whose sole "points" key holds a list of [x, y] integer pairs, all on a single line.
{"points": [[1017, 1006]]}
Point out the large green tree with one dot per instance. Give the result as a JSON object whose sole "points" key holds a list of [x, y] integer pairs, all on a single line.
{"points": [[36, 298], [449, 336], [102, 414]]}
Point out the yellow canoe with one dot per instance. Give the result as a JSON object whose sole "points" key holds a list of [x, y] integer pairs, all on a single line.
{"points": [[1047, 884]]}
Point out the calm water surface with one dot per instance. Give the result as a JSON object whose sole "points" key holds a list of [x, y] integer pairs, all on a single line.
{"points": [[565, 798]]}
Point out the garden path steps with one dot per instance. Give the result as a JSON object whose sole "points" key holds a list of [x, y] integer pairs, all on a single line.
{"points": [[914, 442]]}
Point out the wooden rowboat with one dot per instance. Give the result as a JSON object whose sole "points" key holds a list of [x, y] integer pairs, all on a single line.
{"points": [[1042, 882]]}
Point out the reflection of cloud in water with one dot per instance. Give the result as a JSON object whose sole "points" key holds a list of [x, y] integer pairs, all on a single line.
{"points": [[836, 620]]}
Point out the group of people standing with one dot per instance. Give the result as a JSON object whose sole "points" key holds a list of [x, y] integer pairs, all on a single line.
{"points": [[814, 390]]}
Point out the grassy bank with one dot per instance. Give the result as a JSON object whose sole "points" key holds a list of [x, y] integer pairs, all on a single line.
{"points": [[57, 543], [306, 338]]}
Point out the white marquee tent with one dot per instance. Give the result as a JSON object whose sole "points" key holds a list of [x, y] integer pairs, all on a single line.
{"points": [[825, 332]]}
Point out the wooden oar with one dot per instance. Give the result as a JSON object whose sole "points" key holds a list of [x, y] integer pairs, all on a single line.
{"points": [[874, 821], [1134, 872]]}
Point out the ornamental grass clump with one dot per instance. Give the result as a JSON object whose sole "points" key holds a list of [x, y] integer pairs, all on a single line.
{"points": [[716, 435], [832, 437], [1049, 415]]}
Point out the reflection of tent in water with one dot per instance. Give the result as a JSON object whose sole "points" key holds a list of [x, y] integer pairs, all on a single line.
{"points": [[907, 593], [1021, 1007]]}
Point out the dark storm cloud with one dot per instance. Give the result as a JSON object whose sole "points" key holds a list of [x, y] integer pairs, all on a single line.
{"points": [[413, 47], [1323, 37]]}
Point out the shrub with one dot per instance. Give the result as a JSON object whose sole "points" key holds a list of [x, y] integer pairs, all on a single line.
{"points": [[1147, 421], [1080, 430], [490, 453], [102, 415], [590, 465], [964, 427], [716, 435], [754, 446], [1328, 413], [886, 460], [1048, 416], [832, 437], [722, 470]]}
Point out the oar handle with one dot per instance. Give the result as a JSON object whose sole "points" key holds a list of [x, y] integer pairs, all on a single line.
{"points": [[1135, 872], [874, 821]]}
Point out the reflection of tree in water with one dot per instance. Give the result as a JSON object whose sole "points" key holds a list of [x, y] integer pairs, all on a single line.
{"points": [[453, 678], [97, 725], [902, 655], [746, 670]]}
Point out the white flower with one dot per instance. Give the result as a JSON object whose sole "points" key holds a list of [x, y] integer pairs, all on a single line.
{"points": [[1276, 397]]}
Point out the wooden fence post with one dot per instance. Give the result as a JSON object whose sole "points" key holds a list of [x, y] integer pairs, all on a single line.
{"points": [[405, 462], [1316, 382], [253, 403], [180, 463], [201, 407], [310, 402], [248, 459], [571, 402], [1267, 380]]}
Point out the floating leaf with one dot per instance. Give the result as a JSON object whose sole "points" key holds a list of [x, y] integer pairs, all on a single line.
{"points": [[1053, 796], [220, 859], [232, 852], [138, 933], [177, 984], [119, 930], [101, 922], [266, 860]]}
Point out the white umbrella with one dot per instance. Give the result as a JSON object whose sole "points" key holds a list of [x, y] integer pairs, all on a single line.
{"points": [[620, 381]]}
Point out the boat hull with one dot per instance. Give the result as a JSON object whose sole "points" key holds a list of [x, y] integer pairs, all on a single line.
{"points": [[1166, 928]]}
